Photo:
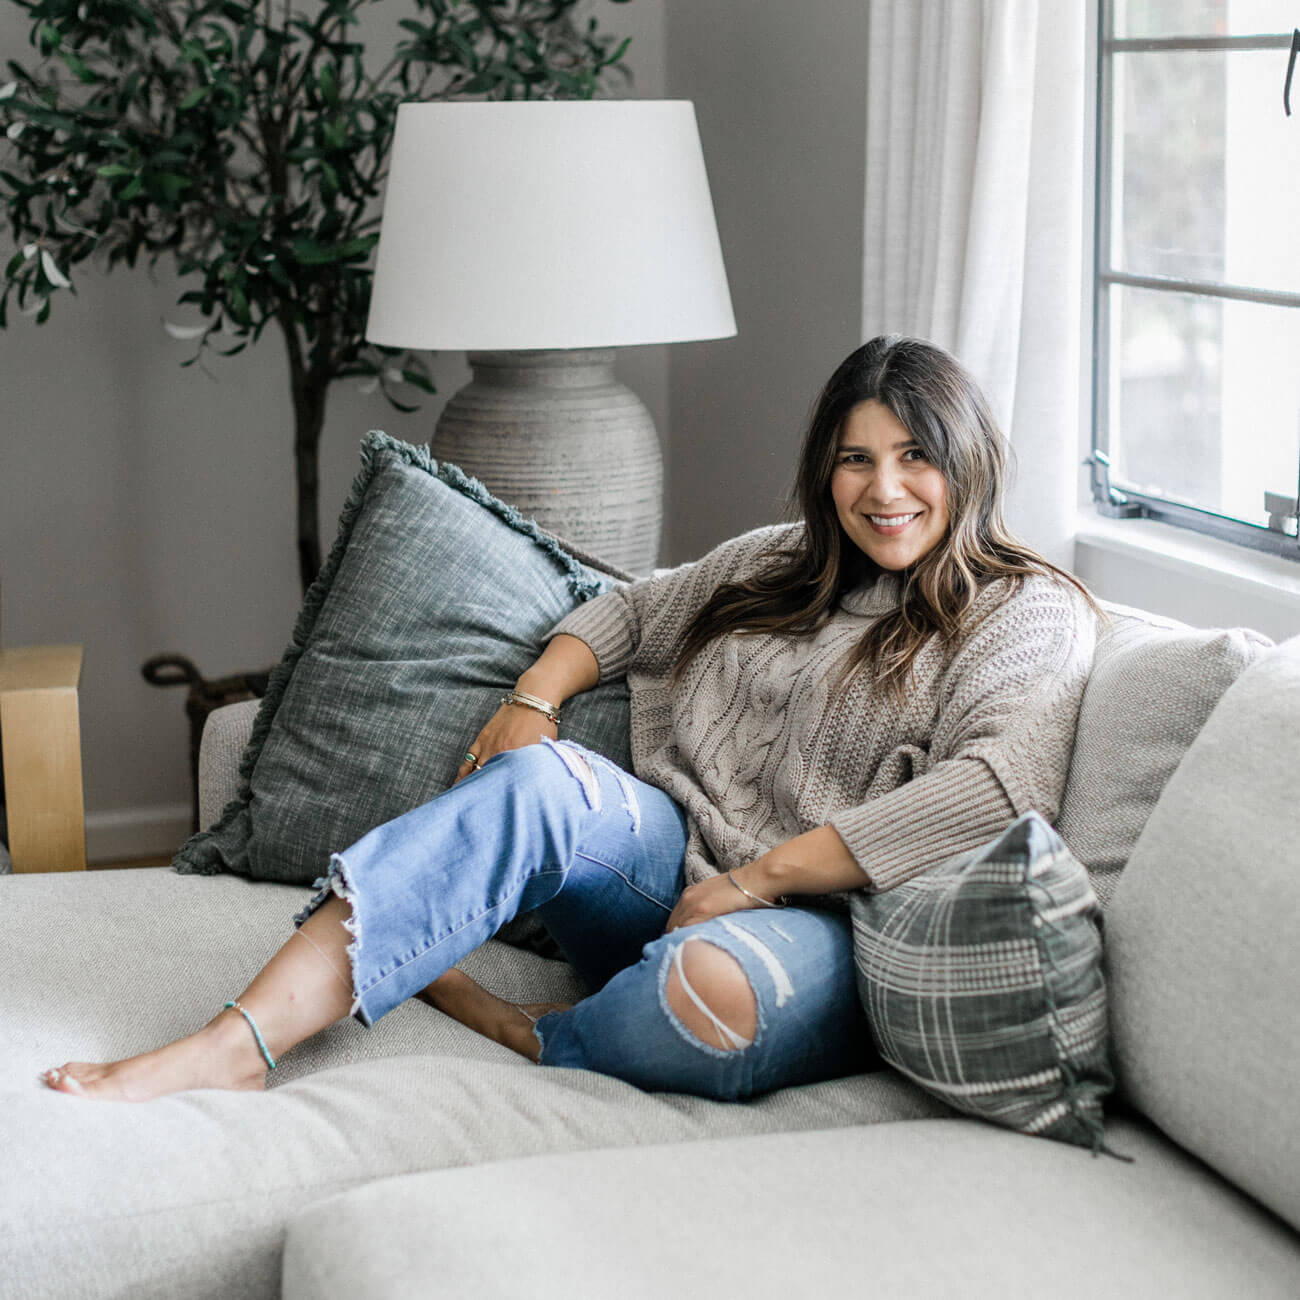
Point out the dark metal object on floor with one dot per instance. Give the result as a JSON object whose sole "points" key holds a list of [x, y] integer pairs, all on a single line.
{"points": [[205, 696]]}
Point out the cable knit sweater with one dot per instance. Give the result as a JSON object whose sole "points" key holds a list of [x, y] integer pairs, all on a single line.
{"points": [[758, 743]]}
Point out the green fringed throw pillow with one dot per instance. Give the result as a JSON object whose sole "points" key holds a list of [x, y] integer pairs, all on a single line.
{"points": [[432, 601], [982, 981]]}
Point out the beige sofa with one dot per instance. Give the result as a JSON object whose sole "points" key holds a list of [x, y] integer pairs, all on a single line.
{"points": [[420, 1159]]}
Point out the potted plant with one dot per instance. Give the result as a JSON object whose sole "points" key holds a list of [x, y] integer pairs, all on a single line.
{"points": [[249, 142]]}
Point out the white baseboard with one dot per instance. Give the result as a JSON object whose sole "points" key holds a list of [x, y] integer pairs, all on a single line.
{"points": [[136, 832]]}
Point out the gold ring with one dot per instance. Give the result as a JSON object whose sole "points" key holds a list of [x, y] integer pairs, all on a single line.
{"points": [[471, 758]]}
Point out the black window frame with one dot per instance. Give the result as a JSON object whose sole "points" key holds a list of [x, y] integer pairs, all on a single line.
{"points": [[1116, 499]]}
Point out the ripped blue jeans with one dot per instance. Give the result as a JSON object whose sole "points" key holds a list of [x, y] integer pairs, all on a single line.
{"points": [[598, 854]]}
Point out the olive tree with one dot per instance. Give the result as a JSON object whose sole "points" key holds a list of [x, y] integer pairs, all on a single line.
{"points": [[249, 143]]}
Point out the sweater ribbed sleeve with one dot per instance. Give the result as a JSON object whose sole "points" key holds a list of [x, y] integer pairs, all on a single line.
{"points": [[954, 808], [645, 620], [1008, 703]]}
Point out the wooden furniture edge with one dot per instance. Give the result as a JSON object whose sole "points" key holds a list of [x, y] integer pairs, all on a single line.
{"points": [[40, 734]]}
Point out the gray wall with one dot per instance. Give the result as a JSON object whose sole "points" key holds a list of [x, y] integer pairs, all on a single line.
{"points": [[780, 92], [146, 508]]}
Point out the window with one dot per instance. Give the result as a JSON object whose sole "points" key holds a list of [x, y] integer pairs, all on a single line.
{"points": [[1196, 350]]}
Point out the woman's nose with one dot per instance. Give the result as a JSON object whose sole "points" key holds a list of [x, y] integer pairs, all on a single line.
{"points": [[886, 485]]}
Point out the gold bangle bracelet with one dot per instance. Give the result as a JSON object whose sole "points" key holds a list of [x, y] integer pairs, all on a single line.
{"points": [[762, 902], [534, 702]]}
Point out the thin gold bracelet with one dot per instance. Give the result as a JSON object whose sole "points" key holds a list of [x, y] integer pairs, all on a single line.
{"points": [[763, 902]]}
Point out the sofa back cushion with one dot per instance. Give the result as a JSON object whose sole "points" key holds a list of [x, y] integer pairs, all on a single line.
{"points": [[1201, 943], [433, 600], [1154, 682]]}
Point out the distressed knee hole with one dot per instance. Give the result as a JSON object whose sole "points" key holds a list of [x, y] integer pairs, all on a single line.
{"points": [[581, 768], [709, 992]]}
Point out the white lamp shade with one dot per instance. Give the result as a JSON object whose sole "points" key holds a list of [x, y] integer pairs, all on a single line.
{"points": [[536, 225]]}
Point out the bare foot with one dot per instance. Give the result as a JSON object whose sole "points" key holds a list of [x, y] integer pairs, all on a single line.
{"points": [[508, 1023], [223, 1054]]}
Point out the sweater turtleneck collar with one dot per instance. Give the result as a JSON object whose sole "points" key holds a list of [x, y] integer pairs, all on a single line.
{"points": [[878, 595]]}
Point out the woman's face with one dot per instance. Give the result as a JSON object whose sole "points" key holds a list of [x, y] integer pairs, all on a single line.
{"points": [[891, 501]]}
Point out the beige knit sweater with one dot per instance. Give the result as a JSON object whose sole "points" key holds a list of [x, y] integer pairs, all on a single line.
{"points": [[758, 744]]}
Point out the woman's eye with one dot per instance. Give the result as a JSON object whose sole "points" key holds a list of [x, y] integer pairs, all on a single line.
{"points": [[914, 454], [853, 458]]}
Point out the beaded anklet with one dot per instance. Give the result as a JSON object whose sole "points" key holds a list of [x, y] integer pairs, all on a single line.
{"points": [[257, 1033]]}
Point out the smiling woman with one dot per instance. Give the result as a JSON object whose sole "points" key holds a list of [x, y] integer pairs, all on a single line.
{"points": [[833, 705], [902, 470], [892, 502]]}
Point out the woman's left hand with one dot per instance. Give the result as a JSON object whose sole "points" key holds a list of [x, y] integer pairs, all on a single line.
{"points": [[715, 897]]}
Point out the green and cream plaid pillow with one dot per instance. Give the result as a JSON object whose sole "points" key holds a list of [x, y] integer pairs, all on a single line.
{"points": [[433, 600], [982, 981]]}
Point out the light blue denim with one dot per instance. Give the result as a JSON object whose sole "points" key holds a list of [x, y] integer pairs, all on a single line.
{"points": [[598, 854]]}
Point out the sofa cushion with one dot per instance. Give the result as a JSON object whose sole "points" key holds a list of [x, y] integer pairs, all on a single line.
{"points": [[982, 982], [1201, 943], [190, 1195], [1153, 684], [433, 600], [916, 1210]]}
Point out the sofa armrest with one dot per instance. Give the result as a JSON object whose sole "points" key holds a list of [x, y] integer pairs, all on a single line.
{"points": [[224, 736]]}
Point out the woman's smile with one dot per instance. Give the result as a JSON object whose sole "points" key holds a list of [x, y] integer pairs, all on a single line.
{"points": [[890, 500], [891, 525]]}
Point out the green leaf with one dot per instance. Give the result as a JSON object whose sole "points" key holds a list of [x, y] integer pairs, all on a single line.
{"points": [[329, 86], [308, 253], [77, 67], [196, 96], [18, 184], [361, 245], [51, 271], [114, 169], [417, 380], [132, 189], [171, 185]]}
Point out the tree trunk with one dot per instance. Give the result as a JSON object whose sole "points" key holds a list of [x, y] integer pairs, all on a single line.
{"points": [[309, 393], [309, 384]]}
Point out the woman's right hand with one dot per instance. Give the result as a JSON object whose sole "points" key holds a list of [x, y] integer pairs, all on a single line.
{"points": [[512, 726], [564, 668]]}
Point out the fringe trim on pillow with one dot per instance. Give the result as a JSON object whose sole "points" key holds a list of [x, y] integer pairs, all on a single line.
{"points": [[1086, 1113], [581, 586]]}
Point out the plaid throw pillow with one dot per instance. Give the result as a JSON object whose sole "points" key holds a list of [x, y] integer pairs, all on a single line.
{"points": [[982, 982], [433, 600]]}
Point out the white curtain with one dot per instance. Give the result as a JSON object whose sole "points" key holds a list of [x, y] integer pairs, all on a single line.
{"points": [[973, 218]]}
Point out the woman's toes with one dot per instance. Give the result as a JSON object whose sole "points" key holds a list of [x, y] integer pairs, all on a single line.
{"points": [[63, 1079]]}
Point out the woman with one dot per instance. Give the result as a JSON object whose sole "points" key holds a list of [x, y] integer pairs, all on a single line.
{"points": [[832, 705]]}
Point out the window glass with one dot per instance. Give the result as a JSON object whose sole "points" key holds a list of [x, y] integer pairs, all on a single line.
{"points": [[1205, 399], [1203, 17], [1206, 168], [1198, 369]]}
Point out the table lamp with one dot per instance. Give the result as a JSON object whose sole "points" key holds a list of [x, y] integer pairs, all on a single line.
{"points": [[539, 236]]}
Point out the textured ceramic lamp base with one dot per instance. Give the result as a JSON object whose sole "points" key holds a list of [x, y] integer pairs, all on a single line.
{"points": [[557, 436]]}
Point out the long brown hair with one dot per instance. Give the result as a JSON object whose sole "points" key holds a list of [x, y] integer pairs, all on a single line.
{"points": [[942, 408]]}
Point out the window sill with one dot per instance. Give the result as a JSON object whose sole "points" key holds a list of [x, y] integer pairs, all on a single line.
{"points": [[1185, 575]]}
